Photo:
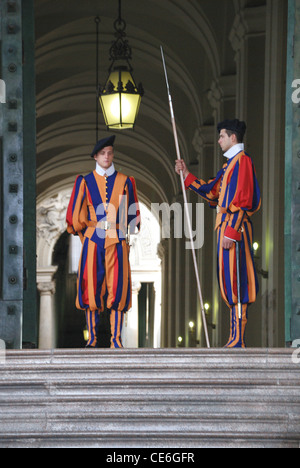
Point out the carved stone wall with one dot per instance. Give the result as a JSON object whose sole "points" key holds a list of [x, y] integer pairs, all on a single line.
{"points": [[51, 224]]}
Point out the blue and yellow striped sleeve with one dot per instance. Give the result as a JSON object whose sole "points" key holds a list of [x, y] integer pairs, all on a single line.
{"points": [[209, 191]]}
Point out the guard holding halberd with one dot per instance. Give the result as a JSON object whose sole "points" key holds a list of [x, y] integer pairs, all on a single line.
{"points": [[235, 195]]}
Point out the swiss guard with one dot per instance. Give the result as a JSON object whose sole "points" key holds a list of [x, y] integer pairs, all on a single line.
{"points": [[235, 195], [103, 212]]}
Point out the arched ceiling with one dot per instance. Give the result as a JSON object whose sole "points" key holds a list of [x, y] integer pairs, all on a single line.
{"points": [[194, 34]]}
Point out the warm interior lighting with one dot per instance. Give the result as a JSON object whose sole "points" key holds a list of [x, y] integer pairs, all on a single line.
{"points": [[86, 335], [122, 107], [120, 100], [255, 246]]}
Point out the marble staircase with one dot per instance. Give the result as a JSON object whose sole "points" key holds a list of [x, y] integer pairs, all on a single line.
{"points": [[172, 398]]}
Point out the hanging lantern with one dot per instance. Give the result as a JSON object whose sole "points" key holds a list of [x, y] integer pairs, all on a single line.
{"points": [[120, 98]]}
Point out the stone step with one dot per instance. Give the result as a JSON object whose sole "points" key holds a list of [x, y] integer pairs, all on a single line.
{"points": [[150, 398]]}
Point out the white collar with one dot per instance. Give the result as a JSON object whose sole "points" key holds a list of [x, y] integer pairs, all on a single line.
{"points": [[109, 172], [236, 149]]}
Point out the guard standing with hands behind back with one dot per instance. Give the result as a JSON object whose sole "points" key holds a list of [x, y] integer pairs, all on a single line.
{"points": [[104, 211]]}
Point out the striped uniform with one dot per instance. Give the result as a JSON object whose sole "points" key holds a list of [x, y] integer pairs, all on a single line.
{"points": [[100, 211], [235, 193]]}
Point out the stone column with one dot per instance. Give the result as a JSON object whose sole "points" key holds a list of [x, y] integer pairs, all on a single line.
{"points": [[204, 144], [163, 253], [222, 99], [46, 288], [51, 224], [157, 316], [161, 293], [272, 251], [248, 40], [292, 179]]}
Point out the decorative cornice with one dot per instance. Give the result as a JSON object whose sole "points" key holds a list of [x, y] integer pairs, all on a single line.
{"points": [[204, 136], [46, 289], [223, 88], [250, 21]]}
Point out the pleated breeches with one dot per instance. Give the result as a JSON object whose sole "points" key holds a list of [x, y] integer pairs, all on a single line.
{"points": [[104, 277], [227, 268]]}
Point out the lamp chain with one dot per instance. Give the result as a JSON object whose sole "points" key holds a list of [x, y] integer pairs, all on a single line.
{"points": [[97, 21]]}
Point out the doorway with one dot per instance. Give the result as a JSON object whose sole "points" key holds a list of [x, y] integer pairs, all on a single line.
{"points": [[146, 303]]}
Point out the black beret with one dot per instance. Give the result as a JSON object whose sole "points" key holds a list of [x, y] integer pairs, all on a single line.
{"points": [[235, 126], [109, 141]]}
